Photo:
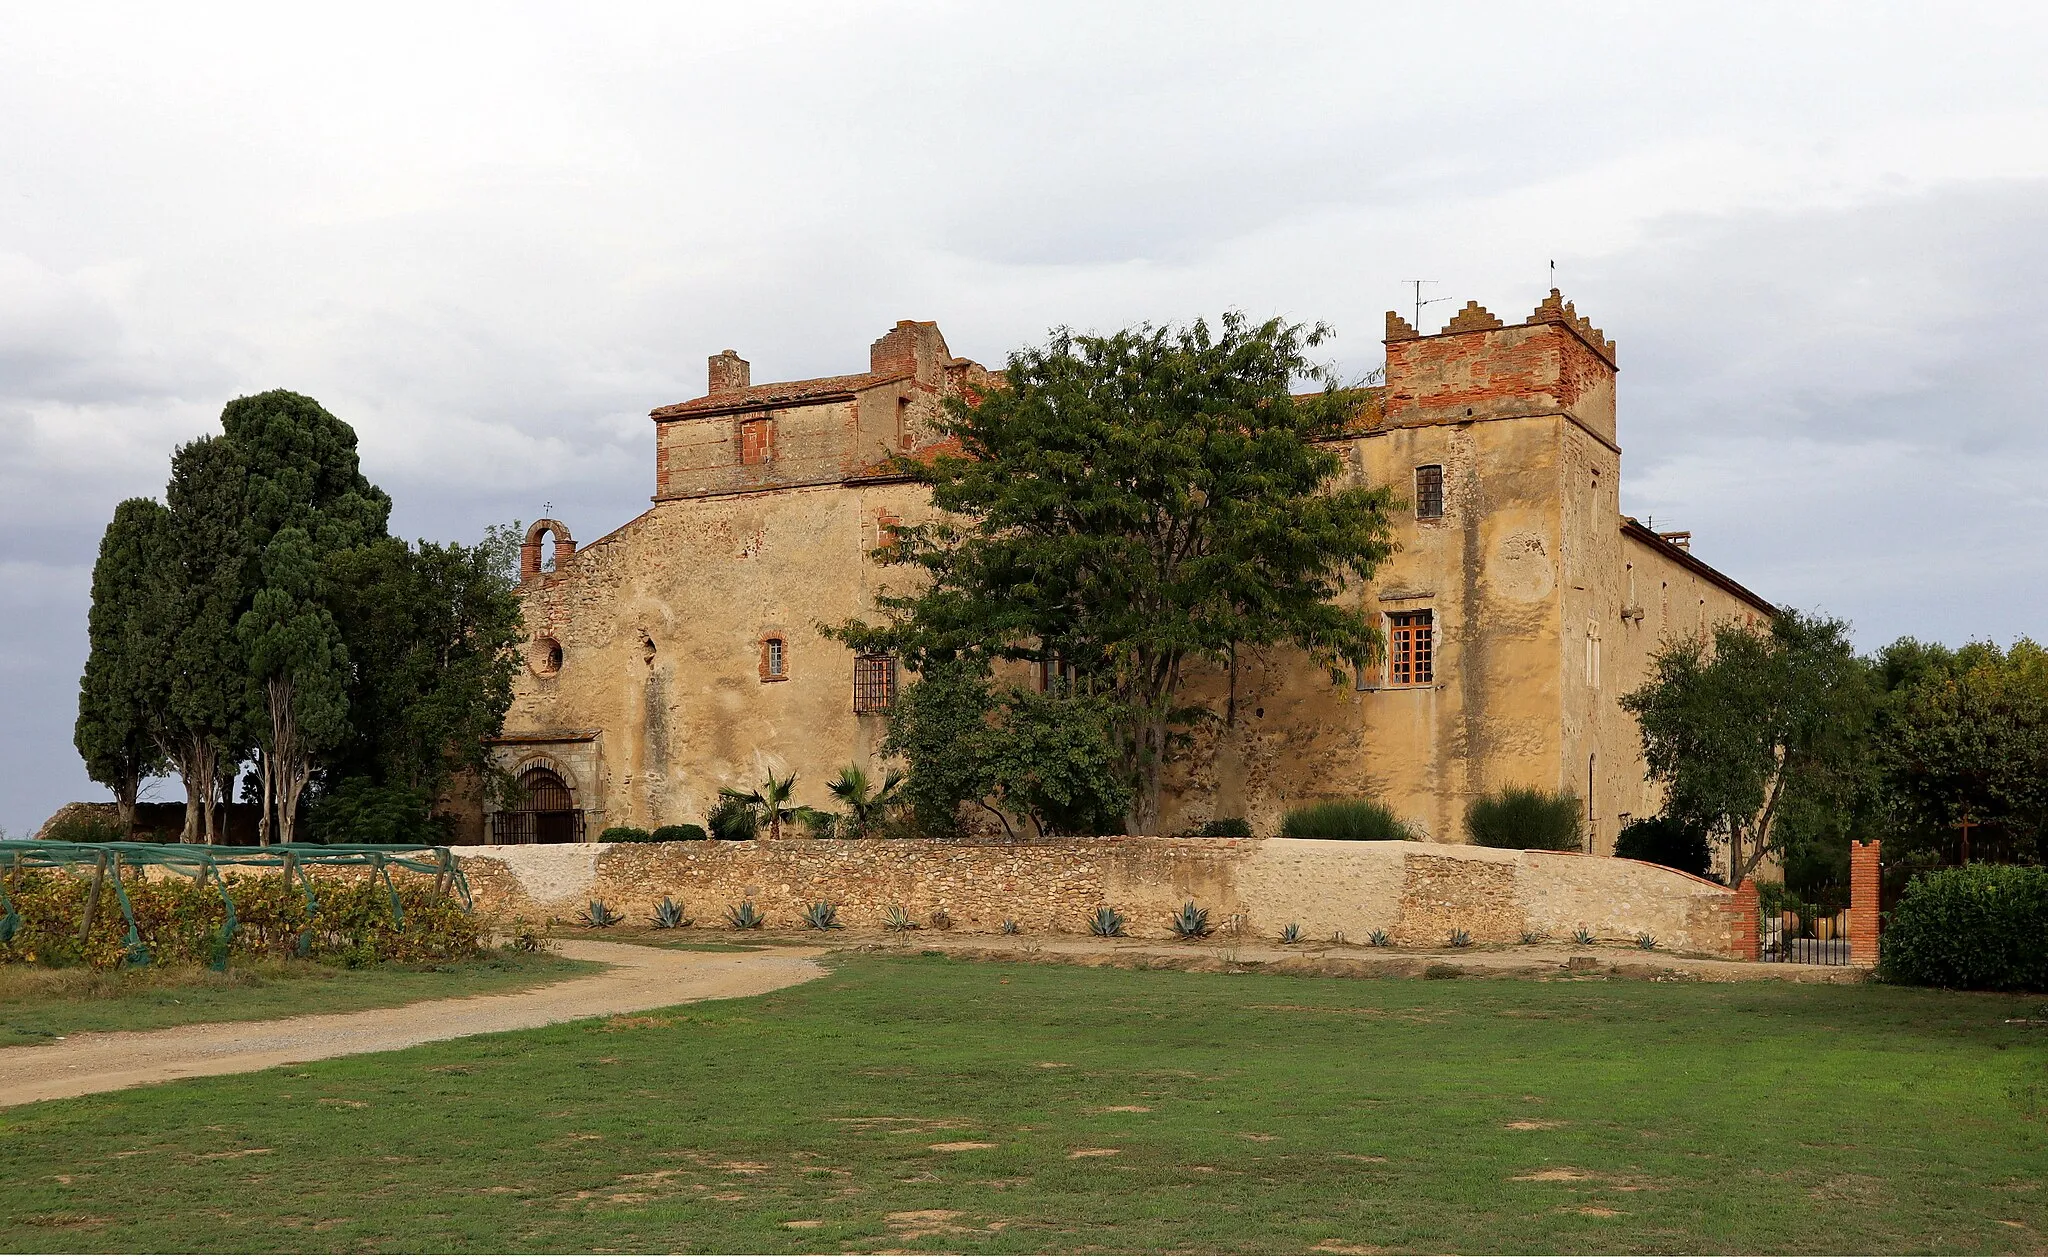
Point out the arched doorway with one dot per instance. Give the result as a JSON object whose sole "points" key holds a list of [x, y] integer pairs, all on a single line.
{"points": [[546, 811]]}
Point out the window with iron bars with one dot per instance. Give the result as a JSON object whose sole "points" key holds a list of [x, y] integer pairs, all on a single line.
{"points": [[1429, 492], [874, 683]]}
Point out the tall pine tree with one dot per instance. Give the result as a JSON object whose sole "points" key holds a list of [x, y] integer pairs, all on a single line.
{"points": [[115, 733]]}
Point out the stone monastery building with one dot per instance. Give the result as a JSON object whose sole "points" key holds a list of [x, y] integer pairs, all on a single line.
{"points": [[682, 652]]}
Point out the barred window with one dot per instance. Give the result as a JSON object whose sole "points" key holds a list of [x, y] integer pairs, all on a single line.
{"points": [[874, 683], [1429, 492], [1411, 648]]}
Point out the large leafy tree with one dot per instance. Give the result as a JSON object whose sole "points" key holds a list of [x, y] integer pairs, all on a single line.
{"points": [[306, 499], [431, 633], [1740, 724], [115, 733], [1962, 735], [1129, 506]]}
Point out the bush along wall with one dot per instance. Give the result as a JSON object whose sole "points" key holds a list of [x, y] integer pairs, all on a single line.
{"points": [[350, 921], [1525, 819], [1982, 927]]}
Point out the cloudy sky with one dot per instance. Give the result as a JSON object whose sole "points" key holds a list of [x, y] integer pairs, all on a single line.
{"points": [[493, 237]]}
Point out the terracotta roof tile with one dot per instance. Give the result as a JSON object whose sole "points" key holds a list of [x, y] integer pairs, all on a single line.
{"points": [[777, 394]]}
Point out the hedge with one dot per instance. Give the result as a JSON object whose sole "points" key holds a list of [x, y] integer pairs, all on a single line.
{"points": [[348, 921], [1982, 927], [1525, 819]]}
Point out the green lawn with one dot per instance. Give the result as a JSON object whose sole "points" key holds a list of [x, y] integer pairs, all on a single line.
{"points": [[37, 1005], [931, 1104]]}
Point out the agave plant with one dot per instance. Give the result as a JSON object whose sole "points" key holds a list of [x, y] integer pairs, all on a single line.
{"points": [[1191, 922], [1106, 923], [1010, 926], [1583, 936], [1646, 941], [1378, 938], [1290, 933], [822, 916], [896, 920], [599, 915], [668, 915], [1534, 936], [1461, 938], [744, 916]]}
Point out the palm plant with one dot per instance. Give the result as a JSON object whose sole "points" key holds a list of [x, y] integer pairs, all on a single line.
{"points": [[769, 801], [867, 805]]}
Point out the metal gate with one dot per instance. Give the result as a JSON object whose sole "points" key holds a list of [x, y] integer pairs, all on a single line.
{"points": [[546, 812]]}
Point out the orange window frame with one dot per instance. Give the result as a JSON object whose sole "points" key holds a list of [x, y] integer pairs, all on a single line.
{"points": [[1411, 648]]}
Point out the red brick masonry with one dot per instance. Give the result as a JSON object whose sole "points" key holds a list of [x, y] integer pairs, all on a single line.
{"points": [[1863, 903]]}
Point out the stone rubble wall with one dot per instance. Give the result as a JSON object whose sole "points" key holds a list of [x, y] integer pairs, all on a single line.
{"points": [[1417, 892]]}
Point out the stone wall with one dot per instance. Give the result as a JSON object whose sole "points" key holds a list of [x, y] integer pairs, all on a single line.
{"points": [[1417, 892]]}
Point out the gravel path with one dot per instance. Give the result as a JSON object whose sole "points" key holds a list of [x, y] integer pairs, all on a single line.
{"points": [[640, 978]]}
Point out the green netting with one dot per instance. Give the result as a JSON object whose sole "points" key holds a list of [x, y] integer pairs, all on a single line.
{"points": [[107, 860]]}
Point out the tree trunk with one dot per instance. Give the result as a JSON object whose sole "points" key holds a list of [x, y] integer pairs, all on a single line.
{"points": [[197, 767], [263, 821], [285, 760], [124, 804]]}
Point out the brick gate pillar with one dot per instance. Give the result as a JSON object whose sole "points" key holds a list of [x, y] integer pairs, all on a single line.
{"points": [[1742, 912], [1863, 892]]}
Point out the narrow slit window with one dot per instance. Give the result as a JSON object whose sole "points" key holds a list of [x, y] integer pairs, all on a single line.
{"points": [[1429, 492], [874, 683], [1411, 648]]}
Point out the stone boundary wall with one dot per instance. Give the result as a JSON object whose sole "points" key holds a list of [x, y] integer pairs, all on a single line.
{"points": [[1417, 892]]}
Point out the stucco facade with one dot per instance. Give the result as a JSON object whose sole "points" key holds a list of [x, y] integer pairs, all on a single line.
{"points": [[682, 653]]}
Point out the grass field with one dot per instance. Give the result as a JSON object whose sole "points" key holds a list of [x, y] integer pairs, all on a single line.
{"points": [[37, 1005], [926, 1103]]}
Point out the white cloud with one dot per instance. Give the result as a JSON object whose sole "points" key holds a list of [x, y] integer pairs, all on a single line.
{"points": [[493, 243]]}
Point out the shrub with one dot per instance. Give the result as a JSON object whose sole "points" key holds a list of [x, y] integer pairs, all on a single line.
{"points": [[1010, 926], [668, 915], [1661, 840], [941, 919], [1461, 938], [625, 833], [1526, 819], [1354, 820], [349, 921], [1106, 923], [358, 810], [1647, 941], [82, 826], [1191, 922], [1532, 937], [680, 833], [1981, 927], [1583, 937], [1290, 933], [1378, 938], [744, 916], [732, 821], [1225, 827]]}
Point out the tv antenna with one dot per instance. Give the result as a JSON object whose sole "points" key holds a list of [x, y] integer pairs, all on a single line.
{"points": [[1419, 302]]}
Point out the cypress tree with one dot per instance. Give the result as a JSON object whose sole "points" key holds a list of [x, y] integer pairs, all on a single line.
{"points": [[129, 655]]}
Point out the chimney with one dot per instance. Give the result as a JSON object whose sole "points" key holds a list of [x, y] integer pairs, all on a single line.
{"points": [[729, 373]]}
